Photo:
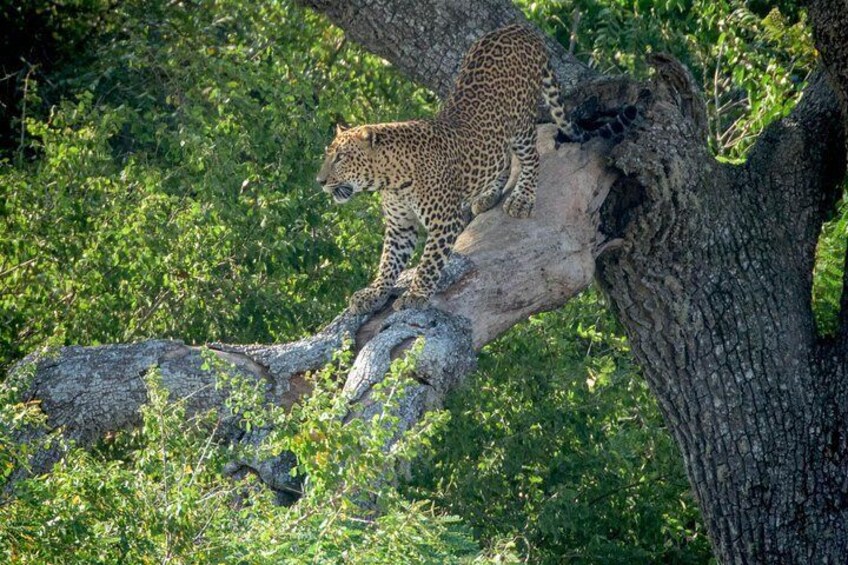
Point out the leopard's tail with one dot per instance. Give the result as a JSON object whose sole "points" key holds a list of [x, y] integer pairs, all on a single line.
{"points": [[571, 132]]}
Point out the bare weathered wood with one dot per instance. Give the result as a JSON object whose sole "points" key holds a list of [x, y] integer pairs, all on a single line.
{"points": [[86, 392], [514, 268], [503, 271], [711, 279], [712, 282]]}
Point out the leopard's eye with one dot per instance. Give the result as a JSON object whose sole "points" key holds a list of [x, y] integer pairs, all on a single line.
{"points": [[338, 158]]}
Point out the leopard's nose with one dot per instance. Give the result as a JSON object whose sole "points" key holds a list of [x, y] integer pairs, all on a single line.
{"points": [[320, 181]]}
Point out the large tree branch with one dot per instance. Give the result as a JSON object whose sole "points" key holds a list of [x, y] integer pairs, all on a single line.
{"points": [[426, 40], [711, 281], [503, 271]]}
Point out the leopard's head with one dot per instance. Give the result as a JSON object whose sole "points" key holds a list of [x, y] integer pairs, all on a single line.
{"points": [[349, 163]]}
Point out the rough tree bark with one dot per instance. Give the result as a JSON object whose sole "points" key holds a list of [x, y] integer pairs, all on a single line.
{"points": [[711, 277], [713, 284], [87, 392]]}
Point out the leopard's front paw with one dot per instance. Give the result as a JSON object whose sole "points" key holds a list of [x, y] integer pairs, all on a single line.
{"points": [[519, 204], [411, 299], [367, 300], [484, 203]]}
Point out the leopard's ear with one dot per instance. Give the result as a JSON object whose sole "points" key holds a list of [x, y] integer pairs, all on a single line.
{"points": [[340, 128], [370, 136]]}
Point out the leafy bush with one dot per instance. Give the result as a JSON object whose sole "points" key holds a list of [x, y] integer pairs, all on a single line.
{"points": [[829, 271], [165, 189], [174, 195], [556, 443], [39, 36], [158, 494]]}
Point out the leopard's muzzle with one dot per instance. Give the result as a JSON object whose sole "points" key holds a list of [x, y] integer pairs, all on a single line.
{"points": [[342, 193]]}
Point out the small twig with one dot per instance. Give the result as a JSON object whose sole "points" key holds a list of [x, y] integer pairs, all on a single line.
{"points": [[716, 99], [730, 131], [203, 454], [24, 107], [150, 311], [18, 266], [365, 521], [261, 49], [328, 64], [730, 104], [331, 60], [572, 38], [609, 493]]}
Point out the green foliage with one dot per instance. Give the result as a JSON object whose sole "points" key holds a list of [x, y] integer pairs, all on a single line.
{"points": [[16, 416], [557, 444], [174, 195], [157, 494], [164, 188], [829, 271], [38, 36]]}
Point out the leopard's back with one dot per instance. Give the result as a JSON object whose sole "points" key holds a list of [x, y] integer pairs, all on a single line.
{"points": [[496, 91], [430, 170]]}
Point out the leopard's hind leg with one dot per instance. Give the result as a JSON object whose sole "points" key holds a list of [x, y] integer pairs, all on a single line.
{"points": [[519, 204]]}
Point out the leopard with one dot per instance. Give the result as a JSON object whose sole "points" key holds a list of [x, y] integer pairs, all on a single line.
{"points": [[429, 172]]}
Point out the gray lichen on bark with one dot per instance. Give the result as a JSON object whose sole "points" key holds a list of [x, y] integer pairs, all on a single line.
{"points": [[710, 277], [491, 283]]}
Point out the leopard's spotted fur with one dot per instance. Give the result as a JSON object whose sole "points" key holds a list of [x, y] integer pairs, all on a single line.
{"points": [[428, 169]]}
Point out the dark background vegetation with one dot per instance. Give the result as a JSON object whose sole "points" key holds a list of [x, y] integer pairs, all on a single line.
{"points": [[156, 166]]}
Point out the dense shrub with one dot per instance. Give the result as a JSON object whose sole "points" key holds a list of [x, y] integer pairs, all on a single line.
{"points": [[557, 444], [173, 195], [164, 188], [158, 494]]}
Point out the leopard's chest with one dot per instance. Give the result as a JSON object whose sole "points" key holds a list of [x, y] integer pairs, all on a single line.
{"points": [[401, 206], [424, 207]]}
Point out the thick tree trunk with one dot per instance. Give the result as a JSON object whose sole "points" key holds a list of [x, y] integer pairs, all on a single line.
{"points": [[713, 283], [711, 277]]}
